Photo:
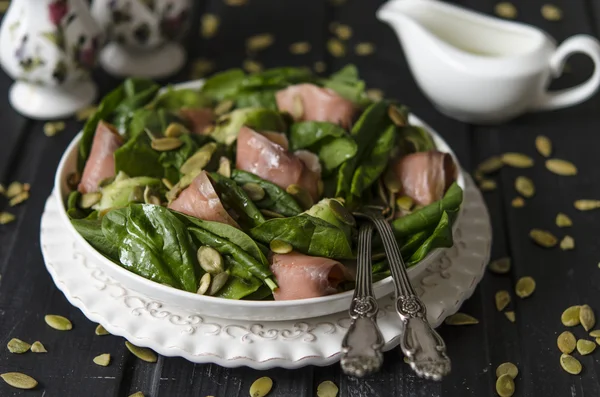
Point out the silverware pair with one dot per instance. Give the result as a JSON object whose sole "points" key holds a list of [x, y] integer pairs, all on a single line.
{"points": [[361, 348]]}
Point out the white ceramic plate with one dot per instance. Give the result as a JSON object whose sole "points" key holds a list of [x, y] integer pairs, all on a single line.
{"points": [[225, 308]]}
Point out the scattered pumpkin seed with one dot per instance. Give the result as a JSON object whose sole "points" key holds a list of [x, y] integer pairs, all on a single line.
{"points": [[102, 360], [259, 42], [517, 160], [254, 191], [487, 185], [301, 195], [19, 198], [396, 117], [218, 282], [204, 284], [490, 165], [543, 238], [166, 144], [271, 214], [88, 200], [6, 218], [570, 364], [585, 347], [52, 128], [525, 186], [280, 247], [570, 317], [502, 299], [101, 331], [505, 386], [17, 346], [142, 353], [261, 387], [595, 333], [168, 184], [341, 213], [518, 202], [507, 369], [567, 243], [586, 205], [525, 287], [19, 380], [224, 167], [37, 347], [405, 203], [209, 24], [236, 3], [364, 48], [461, 319], [551, 12], [343, 32], [86, 112], [252, 66], [566, 342], [201, 67], [297, 107], [57, 322], [327, 389], [198, 160], [587, 317], [543, 144], [210, 259], [375, 94], [175, 130], [561, 167], [14, 189], [300, 48], [336, 47], [562, 220], [320, 66], [510, 315], [506, 10], [500, 266]]}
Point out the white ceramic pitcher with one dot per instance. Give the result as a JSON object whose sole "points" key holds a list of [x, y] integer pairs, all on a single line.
{"points": [[482, 69]]}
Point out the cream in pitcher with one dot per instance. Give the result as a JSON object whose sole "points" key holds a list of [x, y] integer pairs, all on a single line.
{"points": [[482, 69]]}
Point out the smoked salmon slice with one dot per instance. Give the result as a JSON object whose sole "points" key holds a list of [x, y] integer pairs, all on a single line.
{"points": [[101, 163]]}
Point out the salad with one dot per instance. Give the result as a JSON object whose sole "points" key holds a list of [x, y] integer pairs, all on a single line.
{"points": [[245, 188]]}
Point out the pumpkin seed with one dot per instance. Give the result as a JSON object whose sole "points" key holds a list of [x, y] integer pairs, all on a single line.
{"points": [[301, 195], [19, 198], [517, 160], [595, 333], [6, 218], [336, 48], [209, 23], [142, 353], [175, 130], [86, 112], [224, 107], [261, 387], [518, 202], [364, 49], [561, 167], [236, 3], [252, 66], [300, 48], [166, 144], [567, 243], [88, 200], [254, 191], [37, 347], [341, 213], [271, 214], [137, 394], [586, 205], [343, 32], [500, 266], [487, 185], [17, 346], [259, 42], [460, 319], [587, 317], [490, 165], [510, 315], [543, 238], [585, 347], [543, 145], [102, 360], [525, 287], [570, 364], [57, 322], [201, 67], [405, 203], [100, 330], [224, 167], [199, 160], [280, 247], [52, 128], [327, 389], [566, 342], [507, 369], [502, 299], [375, 94], [562, 220], [570, 317], [320, 66], [218, 282], [14, 189], [525, 186], [204, 284], [551, 12], [396, 117], [210, 259], [505, 386], [506, 10], [19, 380]]}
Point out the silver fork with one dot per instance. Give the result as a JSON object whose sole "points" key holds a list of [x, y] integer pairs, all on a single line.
{"points": [[362, 344]]}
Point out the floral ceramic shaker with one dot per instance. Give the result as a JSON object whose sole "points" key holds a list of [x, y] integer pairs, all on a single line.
{"points": [[49, 47], [144, 36]]}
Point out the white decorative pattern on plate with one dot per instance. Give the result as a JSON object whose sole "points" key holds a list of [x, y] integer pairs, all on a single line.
{"points": [[177, 331]]}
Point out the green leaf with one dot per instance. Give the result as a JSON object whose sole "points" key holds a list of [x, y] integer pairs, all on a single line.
{"points": [[91, 231], [223, 85], [260, 119], [276, 78], [118, 193], [138, 92], [172, 160], [347, 84], [441, 237], [374, 162], [258, 99], [237, 199], [237, 288], [137, 158], [414, 139], [175, 99]]}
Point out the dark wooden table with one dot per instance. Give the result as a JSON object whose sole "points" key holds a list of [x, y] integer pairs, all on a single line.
{"points": [[564, 278]]}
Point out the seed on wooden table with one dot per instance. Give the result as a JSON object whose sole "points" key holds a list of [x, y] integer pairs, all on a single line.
{"points": [[562, 220], [585, 347], [209, 23], [487, 185], [201, 67], [204, 284], [142, 353], [364, 49], [543, 238], [252, 66], [461, 319], [6, 218], [518, 202], [336, 48], [543, 145], [567, 243], [505, 386], [17, 346], [507, 369], [137, 394], [586, 205], [300, 48], [490, 165], [261, 387], [570, 364], [502, 299], [102, 360], [561, 167], [500, 266], [587, 317], [19, 198], [14, 189], [343, 32], [100, 330], [19, 380], [506, 10], [320, 66], [525, 186], [525, 287], [517, 160], [595, 333], [570, 317], [566, 342], [37, 347], [259, 42], [86, 112], [510, 315], [375, 94], [551, 12], [327, 389], [57, 322]]}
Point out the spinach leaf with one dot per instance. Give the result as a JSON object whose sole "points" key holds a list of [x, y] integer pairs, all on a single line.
{"points": [[276, 199], [154, 121], [277, 78], [175, 99], [137, 158], [429, 215], [374, 162], [347, 84], [138, 92], [262, 293], [237, 199], [172, 160], [91, 230], [73, 210], [414, 139], [153, 243], [238, 288], [307, 234], [260, 119], [223, 85], [441, 237], [256, 99]]}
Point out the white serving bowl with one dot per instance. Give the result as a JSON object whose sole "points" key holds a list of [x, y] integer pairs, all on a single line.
{"points": [[226, 308]]}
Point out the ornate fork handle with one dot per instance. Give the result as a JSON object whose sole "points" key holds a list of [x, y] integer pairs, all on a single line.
{"points": [[362, 344], [421, 344]]}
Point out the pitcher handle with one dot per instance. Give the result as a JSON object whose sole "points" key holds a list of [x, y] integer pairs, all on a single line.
{"points": [[571, 96]]}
